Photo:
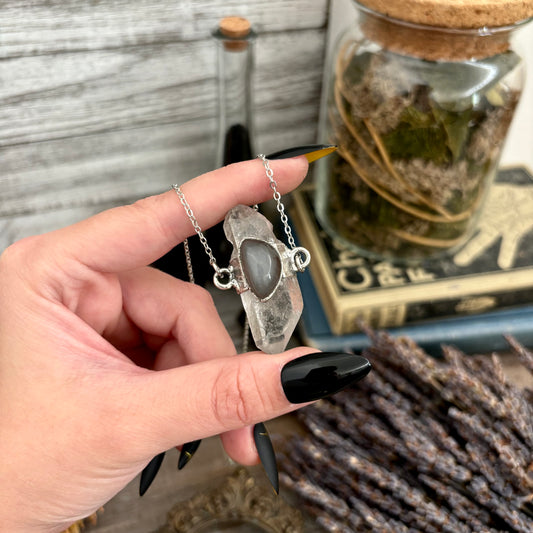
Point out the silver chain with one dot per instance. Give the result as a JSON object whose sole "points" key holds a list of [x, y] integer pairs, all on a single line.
{"points": [[190, 214], [188, 260], [277, 196], [198, 229], [223, 278]]}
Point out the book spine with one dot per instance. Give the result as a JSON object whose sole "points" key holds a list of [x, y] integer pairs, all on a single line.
{"points": [[472, 334], [396, 315]]}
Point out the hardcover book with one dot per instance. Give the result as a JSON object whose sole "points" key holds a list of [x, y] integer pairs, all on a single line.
{"points": [[492, 271], [479, 333]]}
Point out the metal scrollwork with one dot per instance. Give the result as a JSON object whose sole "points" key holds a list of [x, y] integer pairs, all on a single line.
{"points": [[240, 502]]}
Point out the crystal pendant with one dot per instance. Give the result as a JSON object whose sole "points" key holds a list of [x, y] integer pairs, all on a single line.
{"points": [[264, 273]]}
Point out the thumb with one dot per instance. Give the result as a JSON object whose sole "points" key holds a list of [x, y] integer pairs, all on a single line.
{"points": [[211, 397]]}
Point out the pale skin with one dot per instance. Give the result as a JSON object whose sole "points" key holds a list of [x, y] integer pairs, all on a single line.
{"points": [[105, 362]]}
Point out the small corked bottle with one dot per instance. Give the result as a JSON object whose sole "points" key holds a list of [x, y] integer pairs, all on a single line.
{"points": [[419, 98], [234, 39]]}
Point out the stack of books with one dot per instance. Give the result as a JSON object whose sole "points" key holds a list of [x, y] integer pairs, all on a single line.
{"points": [[471, 299]]}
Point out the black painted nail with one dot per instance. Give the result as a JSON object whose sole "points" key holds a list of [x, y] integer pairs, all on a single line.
{"points": [[149, 472], [321, 374], [187, 451], [311, 151], [266, 454]]}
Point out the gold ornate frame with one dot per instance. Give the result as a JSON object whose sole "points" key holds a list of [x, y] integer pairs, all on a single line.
{"points": [[239, 504]]}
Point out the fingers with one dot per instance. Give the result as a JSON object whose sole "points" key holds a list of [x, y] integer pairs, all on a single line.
{"points": [[178, 312], [131, 236], [164, 307], [224, 394], [240, 446]]}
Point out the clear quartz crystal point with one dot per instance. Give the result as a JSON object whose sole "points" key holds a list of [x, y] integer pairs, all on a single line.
{"points": [[275, 308]]}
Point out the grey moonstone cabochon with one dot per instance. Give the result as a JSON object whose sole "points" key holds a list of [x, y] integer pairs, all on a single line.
{"points": [[261, 266]]}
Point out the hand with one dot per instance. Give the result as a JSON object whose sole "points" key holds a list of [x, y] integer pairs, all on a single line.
{"points": [[84, 324], [508, 214]]}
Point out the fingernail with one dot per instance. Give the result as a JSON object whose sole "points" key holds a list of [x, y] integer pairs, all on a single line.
{"points": [[187, 451], [312, 152], [321, 374], [266, 454], [149, 472]]}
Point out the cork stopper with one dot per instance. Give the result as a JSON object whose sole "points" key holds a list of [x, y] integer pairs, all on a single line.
{"points": [[235, 27], [451, 30], [455, 13], [235, 33]]}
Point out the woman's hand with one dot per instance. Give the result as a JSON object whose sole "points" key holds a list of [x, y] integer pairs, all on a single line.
{"points": [[83, 325]]}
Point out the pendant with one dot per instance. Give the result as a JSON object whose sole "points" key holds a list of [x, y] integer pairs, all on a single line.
{"points": [[263, 271]]}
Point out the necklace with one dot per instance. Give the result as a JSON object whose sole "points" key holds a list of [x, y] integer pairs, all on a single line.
{"points": [[262, 269]]}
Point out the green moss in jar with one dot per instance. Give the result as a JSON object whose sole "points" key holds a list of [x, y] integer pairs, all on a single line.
{"points": [[419, 144]]}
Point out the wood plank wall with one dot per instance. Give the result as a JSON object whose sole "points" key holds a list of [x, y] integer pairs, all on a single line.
{"points": [[103, 102]]}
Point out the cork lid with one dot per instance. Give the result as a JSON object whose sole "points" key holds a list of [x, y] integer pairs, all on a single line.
{"points": [[235, 27], [455, 13], [234, 33]]}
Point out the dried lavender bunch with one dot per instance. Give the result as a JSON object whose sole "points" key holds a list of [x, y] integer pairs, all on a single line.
{"points": [[526, 357], [422, 444]]}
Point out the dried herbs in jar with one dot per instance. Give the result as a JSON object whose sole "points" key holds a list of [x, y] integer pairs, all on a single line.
{"points": [[420, 114]]}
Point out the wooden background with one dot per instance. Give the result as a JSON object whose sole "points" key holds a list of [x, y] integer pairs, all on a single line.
{"points": [[103, 102]]}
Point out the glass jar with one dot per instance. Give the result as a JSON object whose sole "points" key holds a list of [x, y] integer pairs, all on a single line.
{"points": [[419, 113]]}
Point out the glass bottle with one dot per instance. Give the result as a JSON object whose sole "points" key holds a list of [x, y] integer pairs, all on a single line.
{"points": [[234, 40], [420, 112]]}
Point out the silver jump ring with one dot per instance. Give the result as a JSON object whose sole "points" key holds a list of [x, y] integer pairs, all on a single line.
{"points": [[300, 258], [225, 273]]}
